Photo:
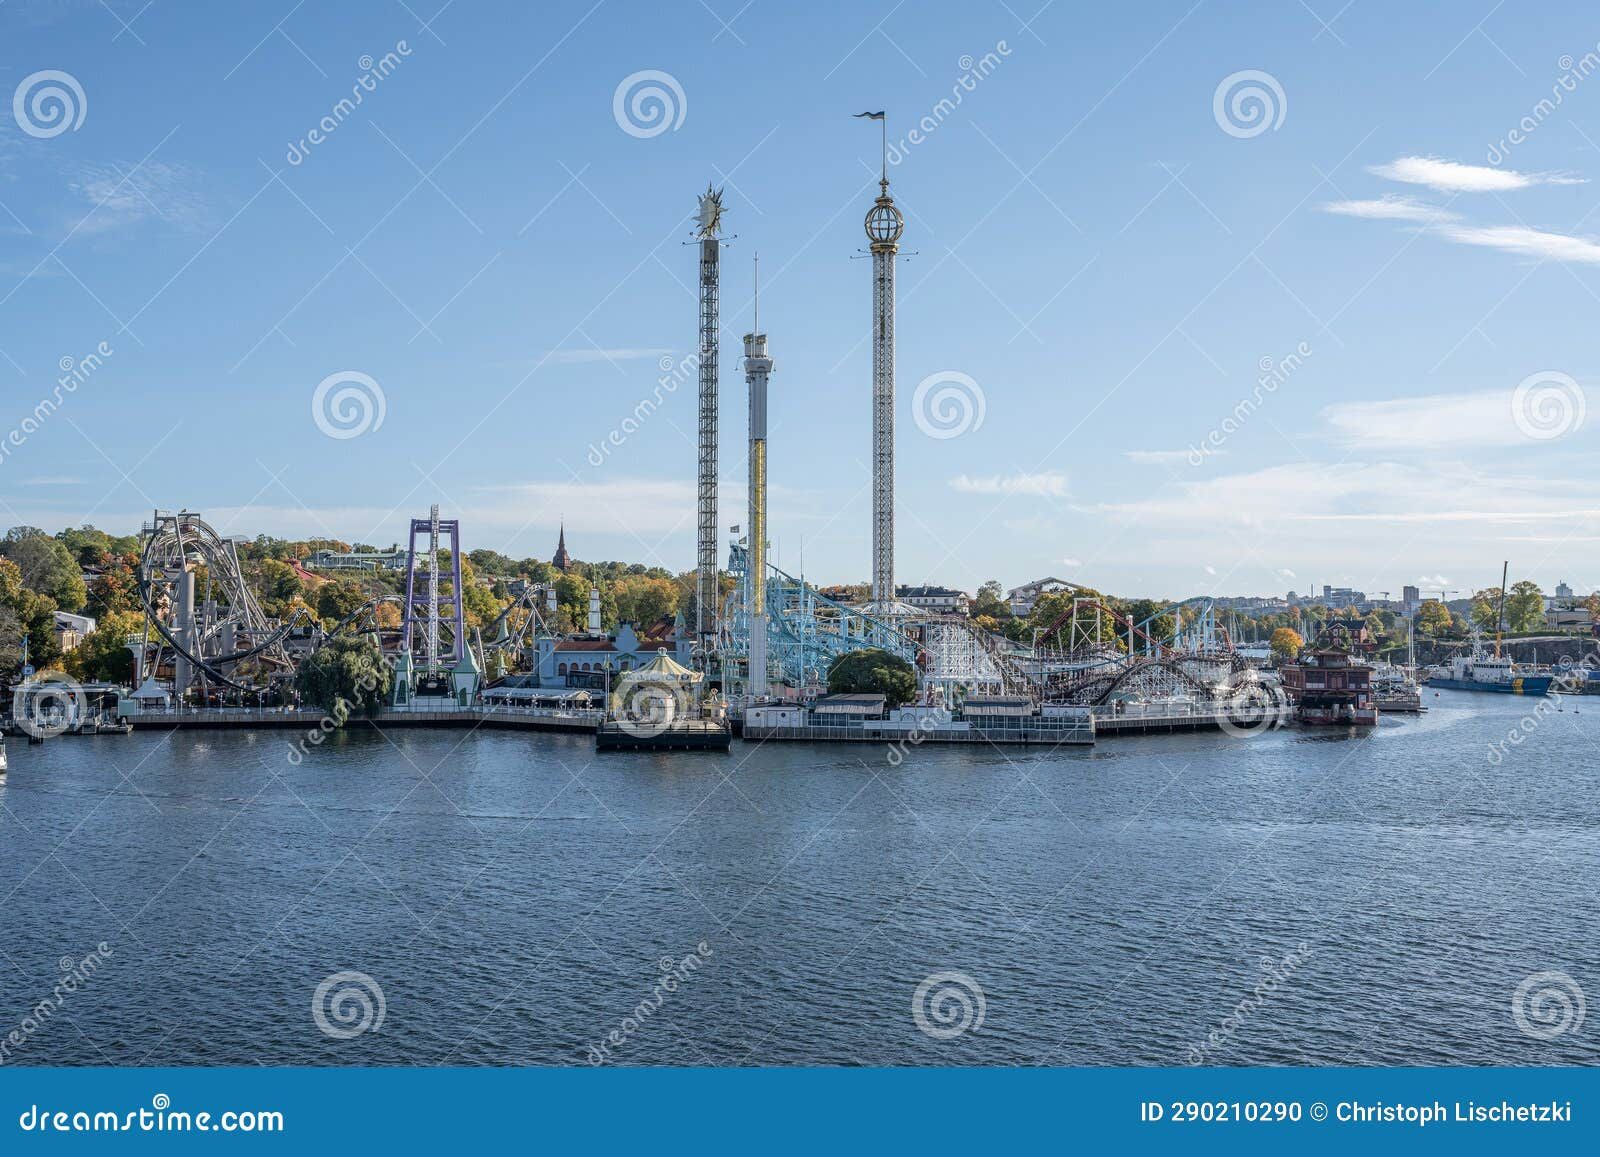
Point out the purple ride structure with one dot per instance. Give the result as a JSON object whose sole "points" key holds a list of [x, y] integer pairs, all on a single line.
{"points": [[423, 626]]}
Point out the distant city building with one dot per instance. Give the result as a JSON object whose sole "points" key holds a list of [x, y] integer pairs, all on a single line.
{"points": [[1563, 591], [940, 600], [562, 560], [1412, 598], [356, 560], [1570, 616], [1254, 603], [1336, 598], [1022, 598]]}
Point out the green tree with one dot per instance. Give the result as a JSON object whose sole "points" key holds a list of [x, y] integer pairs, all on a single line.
{"points": [[103, 655], [48, 567], [345, 676], [991, 602], [335, 600], [1434, 618], [1286, 644], [10, 583], [642, 599], [1524, 606], [1486, 608], [873, 672], [277, 586]]}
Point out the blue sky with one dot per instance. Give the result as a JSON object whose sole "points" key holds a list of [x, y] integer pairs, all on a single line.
{"points": [[1098, 239]]}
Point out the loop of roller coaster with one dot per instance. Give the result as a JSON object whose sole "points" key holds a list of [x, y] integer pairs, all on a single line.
{"points": [[209, 546]]}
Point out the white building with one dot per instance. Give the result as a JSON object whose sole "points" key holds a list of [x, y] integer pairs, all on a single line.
{"points": [[1022, 598], [939, 600]]}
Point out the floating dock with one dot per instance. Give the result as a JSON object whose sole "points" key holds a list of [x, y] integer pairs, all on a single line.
{"points": [[680, 735]]}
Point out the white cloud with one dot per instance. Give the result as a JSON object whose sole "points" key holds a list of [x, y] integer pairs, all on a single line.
{"points": [[1527, 242], [53, 480], [1072, 562], [1434, 422], [124, 194], [1045, 484], [1211, 570], [1433, 582], [1284, 573], [1391, 209], [1454, 177], [1304, 498]]}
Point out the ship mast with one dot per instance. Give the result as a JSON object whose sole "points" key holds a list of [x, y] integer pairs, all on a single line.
{"points": [[1500, 610]]}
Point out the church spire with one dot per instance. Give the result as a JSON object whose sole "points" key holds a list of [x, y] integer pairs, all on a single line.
{"points": [[562, 559]]}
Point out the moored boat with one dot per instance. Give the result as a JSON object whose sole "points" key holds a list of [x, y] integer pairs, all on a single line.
{"points": [[1481, 672]]}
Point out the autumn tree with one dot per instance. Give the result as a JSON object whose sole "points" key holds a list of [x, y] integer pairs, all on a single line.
{"points": [[1434, 618], [1286, 643]]}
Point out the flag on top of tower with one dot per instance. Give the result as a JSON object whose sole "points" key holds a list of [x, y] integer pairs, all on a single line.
{"points": [[877, 116]]}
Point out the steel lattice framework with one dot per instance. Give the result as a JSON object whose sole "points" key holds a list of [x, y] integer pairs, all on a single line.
{"points": [[420, 628], [963, 656], [219, 636], [706, 581], [806, 631], [884, 226]]}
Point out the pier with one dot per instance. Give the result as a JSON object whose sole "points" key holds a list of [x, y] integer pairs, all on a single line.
{"points": [[515, 719]]}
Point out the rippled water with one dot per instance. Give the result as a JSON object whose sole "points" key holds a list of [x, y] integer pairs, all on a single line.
{"points": [[513, 896]]}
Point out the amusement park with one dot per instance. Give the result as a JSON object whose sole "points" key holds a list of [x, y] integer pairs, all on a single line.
{"points": [[750, 651]]}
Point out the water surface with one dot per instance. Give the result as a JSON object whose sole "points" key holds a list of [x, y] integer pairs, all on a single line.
{"points": [[514, 896]]}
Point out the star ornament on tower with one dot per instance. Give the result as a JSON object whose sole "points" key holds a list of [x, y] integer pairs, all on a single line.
{"points": [[708, 222]]}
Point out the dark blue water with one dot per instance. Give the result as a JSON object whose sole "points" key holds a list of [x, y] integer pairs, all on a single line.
{"points": [[514, 895]]}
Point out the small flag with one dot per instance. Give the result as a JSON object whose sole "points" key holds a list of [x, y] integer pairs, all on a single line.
{"points": [[876, 116]]}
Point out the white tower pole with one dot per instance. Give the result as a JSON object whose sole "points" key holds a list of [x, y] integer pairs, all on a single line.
{"points": [[884, 225], [757, 367], [707, 587]]}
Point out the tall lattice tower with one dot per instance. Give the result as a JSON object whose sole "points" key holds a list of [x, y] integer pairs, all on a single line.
{"points": [[884, 226], [757, 368], [708, 232]]}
